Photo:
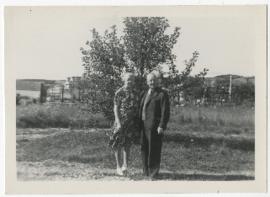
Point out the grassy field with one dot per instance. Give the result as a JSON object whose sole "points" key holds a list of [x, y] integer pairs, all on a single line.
{"points": [[58, 116], [200, 144], [40, 151], [236, 119], [230, 116]]}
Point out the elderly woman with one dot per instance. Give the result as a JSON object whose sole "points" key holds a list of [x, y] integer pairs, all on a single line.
{"points": [[125, 128]]}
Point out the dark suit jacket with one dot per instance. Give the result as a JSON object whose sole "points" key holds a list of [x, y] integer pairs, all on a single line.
{"points": [[157, 109]]}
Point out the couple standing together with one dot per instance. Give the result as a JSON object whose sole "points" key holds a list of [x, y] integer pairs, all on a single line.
{"points": [[145, 115]]}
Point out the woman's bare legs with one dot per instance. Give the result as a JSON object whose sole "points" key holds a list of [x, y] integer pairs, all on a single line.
{"points": [[126, 153], [117, 158]]}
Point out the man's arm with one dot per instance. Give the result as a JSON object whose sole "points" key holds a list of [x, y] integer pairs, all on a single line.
{"points": [[165, 110]]}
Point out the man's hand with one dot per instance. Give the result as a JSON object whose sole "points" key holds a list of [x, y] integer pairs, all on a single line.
{"points": [[160, 130]]}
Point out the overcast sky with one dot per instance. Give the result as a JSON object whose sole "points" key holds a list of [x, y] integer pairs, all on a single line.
{"points": [[44, 43]]}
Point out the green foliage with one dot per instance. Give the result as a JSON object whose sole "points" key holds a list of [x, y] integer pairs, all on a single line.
{"points": [[103, 62], [147, 45], [105, 55], [244, 94], [194, 87], [191, 87], [18, 99]]}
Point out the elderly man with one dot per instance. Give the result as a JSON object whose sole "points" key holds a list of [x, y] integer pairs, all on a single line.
{"points": [[154, 114]]}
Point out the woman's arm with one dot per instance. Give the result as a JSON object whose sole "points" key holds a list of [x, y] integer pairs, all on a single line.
{"points": [[116, 115]]}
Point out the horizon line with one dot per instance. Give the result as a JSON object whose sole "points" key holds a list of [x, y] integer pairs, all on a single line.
{"points": [[80, 76]]}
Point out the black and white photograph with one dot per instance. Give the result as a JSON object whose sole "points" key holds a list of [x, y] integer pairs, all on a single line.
{"points": [[165, 94]]}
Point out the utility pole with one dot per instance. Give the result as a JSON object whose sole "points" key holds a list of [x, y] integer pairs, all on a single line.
{"points": [[62, 93], [230, 89]]}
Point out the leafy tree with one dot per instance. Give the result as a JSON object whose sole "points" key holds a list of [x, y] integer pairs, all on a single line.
{"points": [[183, 82], [194, 88], [147, 45], [144, 47], [103, 62], [178, 79]]}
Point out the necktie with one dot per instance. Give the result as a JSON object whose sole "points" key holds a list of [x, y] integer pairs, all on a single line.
{"points": [[144, 104]]}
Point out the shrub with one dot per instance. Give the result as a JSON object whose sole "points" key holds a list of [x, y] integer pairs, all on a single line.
{"points": [[18, 99]]}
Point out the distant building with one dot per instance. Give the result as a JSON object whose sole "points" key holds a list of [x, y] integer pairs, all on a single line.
{"points": [[55, 93], [71, 89], [73, 85]]}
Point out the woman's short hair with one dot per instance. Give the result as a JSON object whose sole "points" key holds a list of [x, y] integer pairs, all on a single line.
{"points": [[158, 74]]}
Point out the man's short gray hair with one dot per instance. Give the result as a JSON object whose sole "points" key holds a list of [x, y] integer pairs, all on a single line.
{"points": [[156, 74], [151, 74]]}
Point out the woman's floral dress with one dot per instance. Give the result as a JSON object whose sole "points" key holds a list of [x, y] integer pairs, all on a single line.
{"points": [[127, 101]]}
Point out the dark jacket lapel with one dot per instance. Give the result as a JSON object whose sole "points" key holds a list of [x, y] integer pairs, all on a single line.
{"points": [[153, 95], [143, 98]]}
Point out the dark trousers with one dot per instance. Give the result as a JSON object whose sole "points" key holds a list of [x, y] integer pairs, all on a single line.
{"points": [[151, 152]]}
